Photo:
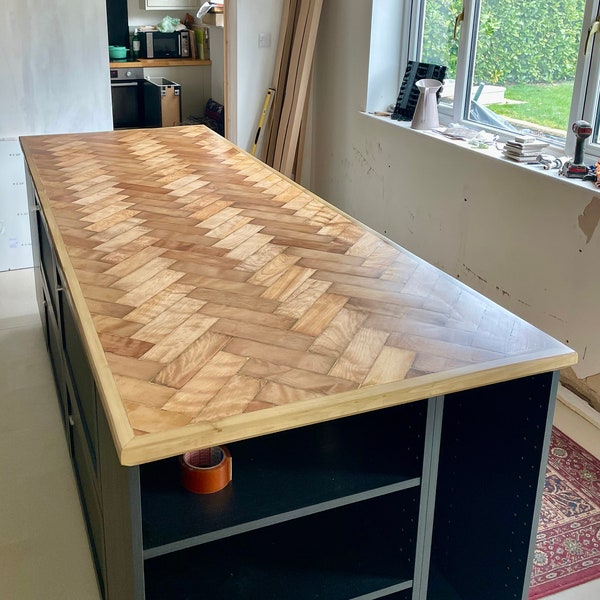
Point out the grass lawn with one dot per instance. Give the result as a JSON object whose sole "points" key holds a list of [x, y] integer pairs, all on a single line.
{"points": [[546, 104]]}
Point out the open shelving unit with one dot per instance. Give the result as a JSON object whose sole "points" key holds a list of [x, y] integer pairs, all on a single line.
{"points": [[356, 551], [312, 486], [285, 476]]}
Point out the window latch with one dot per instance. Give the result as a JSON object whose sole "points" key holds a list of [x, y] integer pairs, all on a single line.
{"points": [[594, 28], [459, 19]]}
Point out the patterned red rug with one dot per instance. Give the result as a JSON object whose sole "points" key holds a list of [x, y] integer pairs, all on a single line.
{"points": [[567, 551]]}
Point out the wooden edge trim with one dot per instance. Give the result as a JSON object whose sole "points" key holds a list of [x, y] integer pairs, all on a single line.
{"points": [[156, 446]]}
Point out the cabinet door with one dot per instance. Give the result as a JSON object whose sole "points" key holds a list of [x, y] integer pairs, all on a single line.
{"points": [[81, 376], [53, 340], [168, 4], [86, 475], [121, 508], [49, 265], [117, 21], [33, 205]]}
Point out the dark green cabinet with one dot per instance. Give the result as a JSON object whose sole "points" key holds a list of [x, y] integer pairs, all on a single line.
{"points": [[117, 23]]}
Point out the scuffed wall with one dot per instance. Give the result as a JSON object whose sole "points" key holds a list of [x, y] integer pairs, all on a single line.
{"points": [[526, 240], [588, 219]]}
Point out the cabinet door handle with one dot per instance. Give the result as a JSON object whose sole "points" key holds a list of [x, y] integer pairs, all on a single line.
{"points": [[71, 421]]}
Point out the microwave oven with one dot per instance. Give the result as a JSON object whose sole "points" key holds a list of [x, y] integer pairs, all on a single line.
{"points": [[155, 44]]}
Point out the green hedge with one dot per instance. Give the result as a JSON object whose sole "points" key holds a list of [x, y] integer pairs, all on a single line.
{"points": [[520, 41]]}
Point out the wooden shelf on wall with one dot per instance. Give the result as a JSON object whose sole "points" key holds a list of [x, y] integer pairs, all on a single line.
{"points": [[147, 63]]}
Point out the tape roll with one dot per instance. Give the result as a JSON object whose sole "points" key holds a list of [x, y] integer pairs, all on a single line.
{"points": [[206, 471]]}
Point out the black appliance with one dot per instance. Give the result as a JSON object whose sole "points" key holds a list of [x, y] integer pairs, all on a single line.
{"points": [[155, 44], [139, 101], [127, 91]]}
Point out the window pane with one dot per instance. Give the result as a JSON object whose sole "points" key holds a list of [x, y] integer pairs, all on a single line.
{"points": [[437, 44], [524, 65]]}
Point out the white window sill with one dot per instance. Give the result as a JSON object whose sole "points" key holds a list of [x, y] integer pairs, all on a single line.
{"points": [[493, 153]]}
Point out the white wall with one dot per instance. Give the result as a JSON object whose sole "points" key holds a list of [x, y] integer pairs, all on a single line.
{"points": [[55, 79], [251, 68], [525, 240], [55, 67], [15, 239]]}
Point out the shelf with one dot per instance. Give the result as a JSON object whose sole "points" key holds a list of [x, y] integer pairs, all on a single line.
{"points": [[148, 63], [286, 475], [365, 550], [439, 587]]}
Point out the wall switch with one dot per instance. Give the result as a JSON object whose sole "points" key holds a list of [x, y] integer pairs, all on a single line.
{"points": [[264, 40]]}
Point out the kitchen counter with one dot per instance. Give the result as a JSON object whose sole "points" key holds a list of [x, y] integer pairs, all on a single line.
{"points": [[147, 63], [219, 300], [377, 410]]}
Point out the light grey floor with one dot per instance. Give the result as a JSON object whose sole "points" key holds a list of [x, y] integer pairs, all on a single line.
{"points": [[44, 553]]}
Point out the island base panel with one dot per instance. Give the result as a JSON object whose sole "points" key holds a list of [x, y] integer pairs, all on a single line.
{"points": [[493, 455]]}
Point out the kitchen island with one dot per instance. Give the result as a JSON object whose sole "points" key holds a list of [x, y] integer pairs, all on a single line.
{"points": [[388, 425]]}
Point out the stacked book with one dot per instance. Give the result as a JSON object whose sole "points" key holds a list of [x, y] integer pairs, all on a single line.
{"points": [[523, 149]]}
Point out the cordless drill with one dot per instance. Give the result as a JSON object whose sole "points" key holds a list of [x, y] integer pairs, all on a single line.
{"points": [[576, 168]]}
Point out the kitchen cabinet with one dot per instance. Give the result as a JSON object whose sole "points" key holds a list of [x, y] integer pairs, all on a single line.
{"points": [[378, 411], [172, 4], [117, 23]]}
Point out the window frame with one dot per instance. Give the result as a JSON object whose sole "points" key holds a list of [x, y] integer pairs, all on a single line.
{"points": [[585, 102]]}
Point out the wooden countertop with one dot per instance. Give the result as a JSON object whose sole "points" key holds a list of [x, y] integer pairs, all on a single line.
{"points": [[219, 300], [147, 63]]}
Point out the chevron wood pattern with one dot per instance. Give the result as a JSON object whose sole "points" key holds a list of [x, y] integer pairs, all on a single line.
{"points": [[217, 288]]}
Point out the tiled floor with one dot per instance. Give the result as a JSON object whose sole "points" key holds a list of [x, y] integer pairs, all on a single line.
{"points": [[43, 546]]}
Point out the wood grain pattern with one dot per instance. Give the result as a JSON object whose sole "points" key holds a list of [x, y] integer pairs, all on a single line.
{"points": [[219, 300]]}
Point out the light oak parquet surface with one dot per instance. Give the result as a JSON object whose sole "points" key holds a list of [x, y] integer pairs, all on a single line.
{"points": [[224, 295]]}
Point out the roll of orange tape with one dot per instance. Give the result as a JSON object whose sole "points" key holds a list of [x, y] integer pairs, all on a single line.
{"points": [[206, 471]]}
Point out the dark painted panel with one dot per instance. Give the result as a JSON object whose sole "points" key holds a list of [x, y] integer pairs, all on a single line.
{"points": [[492, 448]]}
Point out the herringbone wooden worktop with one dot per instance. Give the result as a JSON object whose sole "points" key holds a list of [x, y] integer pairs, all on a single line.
{"points": [[224, 295]]}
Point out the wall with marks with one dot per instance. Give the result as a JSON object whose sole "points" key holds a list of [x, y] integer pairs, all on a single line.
{"points": [[529, 241], [55, 79]]}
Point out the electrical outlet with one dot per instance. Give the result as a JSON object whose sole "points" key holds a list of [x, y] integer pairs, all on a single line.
{"points": [[264, 40]]}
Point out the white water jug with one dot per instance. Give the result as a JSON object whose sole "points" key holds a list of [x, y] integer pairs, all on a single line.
{"points": [[426, 112]]}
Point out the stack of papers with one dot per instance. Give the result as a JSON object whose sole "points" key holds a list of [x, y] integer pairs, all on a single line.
{"points": [[524, 149]]}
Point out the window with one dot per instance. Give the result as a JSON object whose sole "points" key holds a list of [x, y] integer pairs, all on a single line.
{"points": [[513, 65]]}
